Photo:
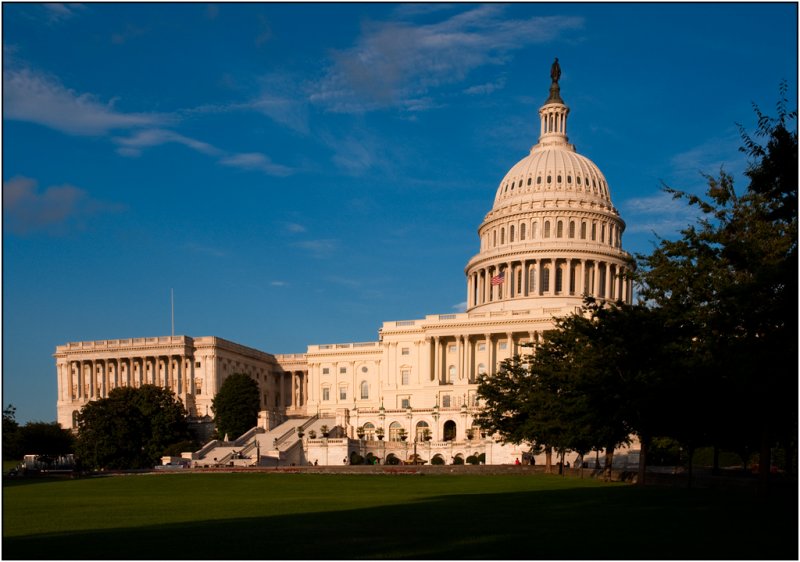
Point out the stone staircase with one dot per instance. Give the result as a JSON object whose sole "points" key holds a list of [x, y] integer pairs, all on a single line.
{"points": [[280, 446]]}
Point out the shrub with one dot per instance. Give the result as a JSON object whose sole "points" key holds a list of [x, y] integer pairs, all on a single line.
{"points": [[473, 459], [458, 460], [437, 460]]}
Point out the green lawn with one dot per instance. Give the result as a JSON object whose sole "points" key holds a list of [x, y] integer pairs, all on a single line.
{"points": [[302, 516]]}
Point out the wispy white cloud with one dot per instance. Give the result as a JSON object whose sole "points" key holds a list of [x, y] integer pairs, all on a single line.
{"points": [[659, 213], [295, 228], [205, 250], [264, 31], [27, 210], [321, 248], [460, 307], [487, 88], [255, 161], [133, 145], [397, 61], [279, 284], [33, 97], [130, 32], [57, 12]]}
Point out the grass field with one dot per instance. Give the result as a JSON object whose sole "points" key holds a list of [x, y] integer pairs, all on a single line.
{"points": [[303, 516]]}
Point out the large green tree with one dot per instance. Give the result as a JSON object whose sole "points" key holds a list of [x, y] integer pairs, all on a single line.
{"points": [[131, 428], [236, 406], [730, 282]]}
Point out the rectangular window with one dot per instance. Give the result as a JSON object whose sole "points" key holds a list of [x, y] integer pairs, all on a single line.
{"points": [[446, 401], [197, 364], [502, 345], [405, 403], [406, 376], [325, 370], [342, 370], [326, 393], [405, 351], [342, 393], [451, 349], [481, 347]]}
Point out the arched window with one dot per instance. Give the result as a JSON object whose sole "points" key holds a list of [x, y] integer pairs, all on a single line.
{"points": [[534, 229], [560, 229], [481, 369], [364, 390], [394, 431], [494, 238], [547, 229], [572, 229], [532, 281], [502, 235], [594, 231], [449, 430], [522, 231], [559, 279], [603, 233], [369, 431], [529, 181], [545, 280], [422, 427], [578, 180], [583, 231], [538, 180], [511, 233]]}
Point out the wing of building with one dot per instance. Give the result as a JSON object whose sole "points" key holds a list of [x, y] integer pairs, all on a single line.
{"points": [[552, 236]]}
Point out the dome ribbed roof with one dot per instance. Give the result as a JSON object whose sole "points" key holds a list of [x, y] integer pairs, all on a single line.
{"points": [[551, 171]]}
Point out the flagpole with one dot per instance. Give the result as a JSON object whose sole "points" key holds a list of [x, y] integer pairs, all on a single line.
{"points": [[172, 307]]}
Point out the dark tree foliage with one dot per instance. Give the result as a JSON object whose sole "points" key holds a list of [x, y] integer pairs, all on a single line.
{"points": [[236, 406], [42, 438], [11, 449], [131, 428], [729, 285], [594, 380]]}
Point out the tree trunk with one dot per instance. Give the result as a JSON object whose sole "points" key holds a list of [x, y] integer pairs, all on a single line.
{"points": [[609, 462], [644, 446], [764, 462], [548, 460]]}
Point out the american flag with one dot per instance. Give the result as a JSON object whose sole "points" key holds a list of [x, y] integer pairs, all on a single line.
{"points": [[498, 279]]}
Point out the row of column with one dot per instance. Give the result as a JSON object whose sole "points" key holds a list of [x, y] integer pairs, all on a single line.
{"points": [[294, 389], [90, 379], [466, 356], [548, 277]]}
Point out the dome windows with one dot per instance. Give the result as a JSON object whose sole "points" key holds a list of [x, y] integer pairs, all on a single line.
{"points": [[547, 229], [560, 229], [538, 180], [529, 180], [583, 231], [572, 229], [549, 179], [522, 230], [578, 180], [558, 178], [569, 179], [534, 229], [502, 236]]}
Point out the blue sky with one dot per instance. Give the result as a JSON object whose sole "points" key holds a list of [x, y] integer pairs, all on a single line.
{"points": [[300, 173]]}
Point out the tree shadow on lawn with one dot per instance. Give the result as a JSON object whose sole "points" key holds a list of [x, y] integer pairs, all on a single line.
{"points": [[597, 523]]}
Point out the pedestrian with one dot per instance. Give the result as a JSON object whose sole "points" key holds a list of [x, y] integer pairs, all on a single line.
{"points": [[516, 462], [315, 462]]}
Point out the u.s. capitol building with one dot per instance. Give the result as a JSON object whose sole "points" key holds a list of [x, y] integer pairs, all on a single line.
{"points": [[551, 236]]}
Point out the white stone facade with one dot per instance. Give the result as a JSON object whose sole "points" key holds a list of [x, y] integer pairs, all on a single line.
{"points": [[551, 237]]}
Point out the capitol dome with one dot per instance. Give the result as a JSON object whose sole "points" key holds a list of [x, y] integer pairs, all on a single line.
{"points": [[553, 234]]}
